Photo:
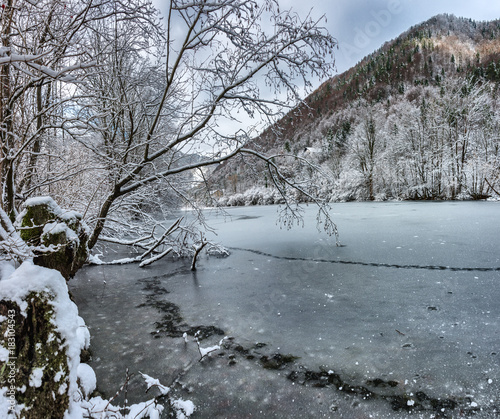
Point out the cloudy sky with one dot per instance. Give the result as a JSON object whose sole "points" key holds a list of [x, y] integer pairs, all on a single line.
{"points": [[362, 26]]}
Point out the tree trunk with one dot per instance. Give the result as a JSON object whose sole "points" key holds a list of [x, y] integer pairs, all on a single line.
{"points": [[6, 144], [101, 220]]}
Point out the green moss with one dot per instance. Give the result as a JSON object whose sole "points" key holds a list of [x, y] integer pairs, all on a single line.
{"points": [[37, 346], [62, 259], [36, 217], [70, 255]]}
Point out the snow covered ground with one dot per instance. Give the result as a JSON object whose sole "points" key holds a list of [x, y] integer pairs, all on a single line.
{"points": [[407, 310]]}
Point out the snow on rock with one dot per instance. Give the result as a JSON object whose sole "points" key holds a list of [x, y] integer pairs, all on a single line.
{"points": [[58, 238], [7, 268], [4, 352], [86, 379], [35, 379], [43, 200], [48, 380], [31, 295], [56, 228]]}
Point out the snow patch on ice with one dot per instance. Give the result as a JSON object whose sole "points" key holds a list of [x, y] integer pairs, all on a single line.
{"points": [[184, 408], [205, 351], [94, 260]]}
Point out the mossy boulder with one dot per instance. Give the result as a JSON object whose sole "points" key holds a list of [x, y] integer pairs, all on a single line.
{"points": [[41, 338], [58, 237], [39, 366]]}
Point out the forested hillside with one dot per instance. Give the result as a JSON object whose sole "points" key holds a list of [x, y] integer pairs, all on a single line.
{"points": [[417, 119]]}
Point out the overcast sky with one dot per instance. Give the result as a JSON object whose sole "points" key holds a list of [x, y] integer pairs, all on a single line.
{"points": [[362, 26]]}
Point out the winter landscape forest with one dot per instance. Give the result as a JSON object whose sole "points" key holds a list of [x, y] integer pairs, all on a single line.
{"points": [[417, 119], [130, 288]]}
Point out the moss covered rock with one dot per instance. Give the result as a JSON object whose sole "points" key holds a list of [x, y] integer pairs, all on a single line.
{"points": [[58, 237], [41, 337], [39, 363]]}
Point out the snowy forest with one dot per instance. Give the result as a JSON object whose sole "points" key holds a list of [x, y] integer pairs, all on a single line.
{"points": [[418, 119]]}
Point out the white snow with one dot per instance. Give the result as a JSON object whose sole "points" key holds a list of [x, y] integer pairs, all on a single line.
{"points": [[36, 377], [58, 228], [205, 351], [30, 278], [82, 379], [43, 200], [86, 378], [97, 407], [83, 332], [184, 408], [54, 227], [147, 409], [58, 375], [4, 354], [7, 268], [154, 382], [94, 260]]}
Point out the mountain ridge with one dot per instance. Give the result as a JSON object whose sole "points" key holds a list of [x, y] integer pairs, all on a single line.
{"points": [[442, 57], [345, 83]]}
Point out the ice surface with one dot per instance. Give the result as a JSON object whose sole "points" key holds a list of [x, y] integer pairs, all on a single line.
{"points": [[411, 298]]}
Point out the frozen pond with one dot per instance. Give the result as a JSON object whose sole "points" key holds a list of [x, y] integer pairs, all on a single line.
{"points": [[402, 320]]}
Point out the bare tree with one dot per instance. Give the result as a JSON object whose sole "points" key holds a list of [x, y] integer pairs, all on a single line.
{"points": [[221, 60], [104, 106]]}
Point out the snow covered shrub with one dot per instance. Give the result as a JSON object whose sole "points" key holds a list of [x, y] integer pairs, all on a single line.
{"points": [[236, 200], [349, 187], [253, 196]]}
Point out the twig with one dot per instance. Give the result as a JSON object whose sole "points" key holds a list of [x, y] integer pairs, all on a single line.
{"points": [[197, 251], [492, 188]]}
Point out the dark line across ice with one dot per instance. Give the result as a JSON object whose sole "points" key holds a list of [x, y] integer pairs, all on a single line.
{"points": [[374, 264]]}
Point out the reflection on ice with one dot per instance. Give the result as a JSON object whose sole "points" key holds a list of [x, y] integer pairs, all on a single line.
{"points": [[404, 316]]}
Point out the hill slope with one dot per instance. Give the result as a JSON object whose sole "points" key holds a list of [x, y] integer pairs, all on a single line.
{"points": [[417, 119]]}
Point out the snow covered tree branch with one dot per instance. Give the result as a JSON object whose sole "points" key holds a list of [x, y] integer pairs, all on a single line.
{"points": [[140, 105], [225, 62]]}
